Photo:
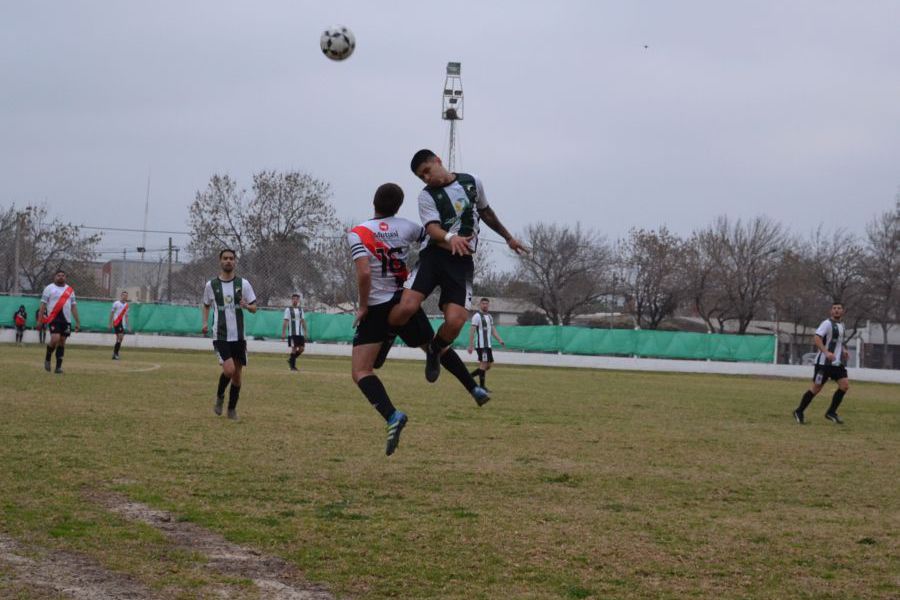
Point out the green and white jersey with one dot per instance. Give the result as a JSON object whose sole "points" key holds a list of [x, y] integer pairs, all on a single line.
{"points": [[484, 328], [455, 206], [294, 317], [225, 298]]}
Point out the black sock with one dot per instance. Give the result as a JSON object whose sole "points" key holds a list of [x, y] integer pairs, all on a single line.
{"points": [[223, 383], [49, 353], [438, 343], [293, 360], [836, 401], [804, 402], [117, 347], [374, 391], [453, 363], [482, 374], [233, 394], [60, 351]]}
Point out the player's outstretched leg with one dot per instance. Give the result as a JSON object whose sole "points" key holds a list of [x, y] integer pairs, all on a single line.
{"points": [[832, 415], [804, 402], [370, 385], [454, 364]]}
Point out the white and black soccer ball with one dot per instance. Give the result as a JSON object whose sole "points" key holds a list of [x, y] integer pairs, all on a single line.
{"points": [[337, 42]]}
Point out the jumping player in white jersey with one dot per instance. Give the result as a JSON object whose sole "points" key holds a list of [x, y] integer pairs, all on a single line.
{"points": [[450, 207], [119, 321], [830, 364], [295, 321], [480, 339], [379, 248], [57, 310], [229, 296]]}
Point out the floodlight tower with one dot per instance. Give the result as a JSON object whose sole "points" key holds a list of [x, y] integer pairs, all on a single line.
{"points": [[452, 108]]}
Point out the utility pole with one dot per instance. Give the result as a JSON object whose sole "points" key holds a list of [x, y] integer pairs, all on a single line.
{"points": [[17, 287], [169, 285]]}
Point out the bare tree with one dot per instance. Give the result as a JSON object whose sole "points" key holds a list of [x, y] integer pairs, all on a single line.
{"points": [[45, 244], [703, 279], [837, 263], [796, 300], [650, 261], [566, 270], [337, 286], [881, 274], [275, 229]]}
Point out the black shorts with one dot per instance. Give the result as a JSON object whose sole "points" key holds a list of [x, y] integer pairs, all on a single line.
{"points": [[825, 372], [234, 350], [374, 329], [452, 273], [20, 328], [485, 354], [60, 326], [296, 340], [119, 328]]}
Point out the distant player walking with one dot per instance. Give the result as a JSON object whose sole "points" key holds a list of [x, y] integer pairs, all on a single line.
{"points": [[294, 326], [480, 339], [450, 207], [380, 248], [119, 321], [57, 310], [830, 364], [228, 296], [20, 319]]}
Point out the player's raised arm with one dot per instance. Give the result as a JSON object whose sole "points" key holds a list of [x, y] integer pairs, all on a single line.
{"points": [[489, 217]]}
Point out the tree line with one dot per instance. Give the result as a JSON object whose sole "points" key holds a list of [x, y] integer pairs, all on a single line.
{"points": [[728, 273]]}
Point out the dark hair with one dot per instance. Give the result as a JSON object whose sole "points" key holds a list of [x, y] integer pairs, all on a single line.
{"points": [[388, 199], [420, 157], [58, 271], [838, 302], [295, 295], [123, 292], [224, 250], [485, 300]]}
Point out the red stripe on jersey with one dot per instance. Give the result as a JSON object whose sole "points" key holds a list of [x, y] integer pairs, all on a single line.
{"points": [[121, 316], [381, 251], [59, 304]]}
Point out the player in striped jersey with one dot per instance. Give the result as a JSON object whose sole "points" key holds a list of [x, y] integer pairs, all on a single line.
{"points": [[119, 321], [57, 310], [451, 207], [295, 322], [480, 339], [830, 364], [380, 248], [229, 296]]}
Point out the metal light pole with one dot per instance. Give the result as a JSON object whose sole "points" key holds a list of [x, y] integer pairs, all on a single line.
{"points": [[452, 108]]}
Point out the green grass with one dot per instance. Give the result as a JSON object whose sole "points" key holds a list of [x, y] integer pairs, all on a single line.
{"points": [[568, 484]]}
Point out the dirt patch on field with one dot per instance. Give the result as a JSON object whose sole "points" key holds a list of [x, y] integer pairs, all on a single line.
{"points": [[66, 574], [274, 577]]}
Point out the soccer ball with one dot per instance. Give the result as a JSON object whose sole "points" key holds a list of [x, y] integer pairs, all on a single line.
{"points": [[337, 42]]}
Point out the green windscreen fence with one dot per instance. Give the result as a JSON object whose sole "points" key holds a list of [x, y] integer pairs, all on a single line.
{"points": [[266, 323]]}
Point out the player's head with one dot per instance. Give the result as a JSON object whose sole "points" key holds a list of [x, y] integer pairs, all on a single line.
{"points": [[485, 304], [21, 308], [59, 277], [428, 167], [837, 310], [388, 199], [227, 258], [295, 299], [124, 295]]}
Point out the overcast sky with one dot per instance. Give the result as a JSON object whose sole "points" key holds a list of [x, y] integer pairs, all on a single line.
{"points": [[789, 109]]}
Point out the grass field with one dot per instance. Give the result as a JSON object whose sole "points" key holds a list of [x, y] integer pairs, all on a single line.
{"points": [[568, 484]]}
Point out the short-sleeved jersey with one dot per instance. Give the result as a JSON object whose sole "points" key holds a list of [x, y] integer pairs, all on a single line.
{"points": [[454, 209], [484, 329], [51, 296], [832, 334], [118, 308], [386, 243], [294, 317], [228, 316]]}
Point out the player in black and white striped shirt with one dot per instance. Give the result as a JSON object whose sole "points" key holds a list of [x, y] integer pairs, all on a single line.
{"points": [[480, 339], [830, 364], [294, 321]]}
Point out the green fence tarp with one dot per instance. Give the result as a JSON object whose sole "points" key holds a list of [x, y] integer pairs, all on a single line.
{"points": [[266, 323]]}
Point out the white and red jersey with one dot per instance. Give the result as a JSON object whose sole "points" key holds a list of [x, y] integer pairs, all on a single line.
{"points": [[120, 313], [51, 297], [386, 243]]}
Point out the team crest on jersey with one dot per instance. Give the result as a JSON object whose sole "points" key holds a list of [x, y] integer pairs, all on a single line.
{"points": [[383, 226], [229, 299]]}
